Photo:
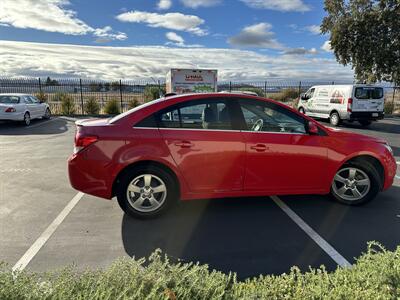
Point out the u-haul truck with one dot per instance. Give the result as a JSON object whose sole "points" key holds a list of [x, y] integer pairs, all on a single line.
{"points": [[183, 81], [359, 102]]}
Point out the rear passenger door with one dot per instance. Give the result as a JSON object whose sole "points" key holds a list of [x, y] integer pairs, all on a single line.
{"points": [[30, 106], [203, 141]]}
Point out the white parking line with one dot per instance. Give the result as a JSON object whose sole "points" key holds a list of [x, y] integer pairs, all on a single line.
{"points": [[41, 123], [43, 238], [339, 259]]}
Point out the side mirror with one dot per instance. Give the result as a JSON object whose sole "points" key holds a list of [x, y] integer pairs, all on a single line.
{"points": [[303, 97], [312, 128]]}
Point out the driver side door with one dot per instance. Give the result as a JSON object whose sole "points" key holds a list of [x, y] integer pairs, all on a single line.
{"points": [[281, 157]]}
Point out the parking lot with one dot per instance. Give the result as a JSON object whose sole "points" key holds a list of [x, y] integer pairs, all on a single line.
{"points": [[250, 236]]}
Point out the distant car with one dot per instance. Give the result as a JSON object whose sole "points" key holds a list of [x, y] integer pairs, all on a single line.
{"points": [[357, 102], [202, 146], [23, 108]]}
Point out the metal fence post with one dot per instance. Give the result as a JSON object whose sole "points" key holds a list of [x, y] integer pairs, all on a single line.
{"points": [[40, 86], [230, 86], [299, 89], [394, 93], [80, 87], [120, 94], [159, 89], [265, 89]]}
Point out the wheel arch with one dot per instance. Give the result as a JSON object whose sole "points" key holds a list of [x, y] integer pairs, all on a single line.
{"points": [[143, 163]]}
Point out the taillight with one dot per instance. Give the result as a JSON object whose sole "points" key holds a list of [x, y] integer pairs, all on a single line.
{"points": [[81, 142], [349, 104], [10, 109]]}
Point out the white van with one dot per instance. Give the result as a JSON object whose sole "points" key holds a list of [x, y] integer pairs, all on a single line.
{"points": [[358, 102]]}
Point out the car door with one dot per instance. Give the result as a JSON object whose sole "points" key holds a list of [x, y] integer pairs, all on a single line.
{"points": [[30, 106], [281, 157], [204, 144], [309, 104], [38, 107]]}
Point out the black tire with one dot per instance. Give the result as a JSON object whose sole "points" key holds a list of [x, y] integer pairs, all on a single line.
{"points": [[47, 115], [27, 119], [302, 111], [172, 191], [334, 119], [365, 123], [375, 183]]}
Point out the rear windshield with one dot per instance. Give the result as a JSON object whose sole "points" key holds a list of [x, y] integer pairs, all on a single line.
{"points": [[9, 99], [369, 93]]}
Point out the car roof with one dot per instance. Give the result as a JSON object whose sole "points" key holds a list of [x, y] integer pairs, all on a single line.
{"points": [[14, 94]]}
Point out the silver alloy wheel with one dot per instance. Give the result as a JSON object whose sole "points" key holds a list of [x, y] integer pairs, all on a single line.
{"points": [[351, 184], [27, 119], [146, 193], [334, 119]]}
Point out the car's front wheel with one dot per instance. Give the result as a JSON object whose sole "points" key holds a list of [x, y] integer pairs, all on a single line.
{"points": [[146, 191], [355, 183]]}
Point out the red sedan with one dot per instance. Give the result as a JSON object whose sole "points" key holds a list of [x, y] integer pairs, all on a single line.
{"points": [[222, 145]]}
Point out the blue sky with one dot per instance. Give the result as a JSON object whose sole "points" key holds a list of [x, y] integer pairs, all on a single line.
{"points": [[282, 35]]}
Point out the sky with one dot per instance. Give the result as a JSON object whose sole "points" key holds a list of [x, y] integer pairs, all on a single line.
{"points": [[246, 40]]}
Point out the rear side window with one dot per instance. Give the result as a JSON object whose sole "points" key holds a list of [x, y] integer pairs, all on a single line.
{"points": [[9, 99], [368, 93]]}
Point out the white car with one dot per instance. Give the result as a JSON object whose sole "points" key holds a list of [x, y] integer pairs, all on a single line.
{"points": [[22, 107], [358, 102]]}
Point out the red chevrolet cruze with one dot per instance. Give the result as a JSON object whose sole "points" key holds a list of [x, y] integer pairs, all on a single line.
{"points": [[222, 145]]}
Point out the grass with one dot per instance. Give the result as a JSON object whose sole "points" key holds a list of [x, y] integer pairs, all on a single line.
{"points": [[376, 275]]}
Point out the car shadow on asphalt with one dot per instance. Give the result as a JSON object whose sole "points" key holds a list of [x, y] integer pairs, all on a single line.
{"points": [[250, 236], [37, 127]]}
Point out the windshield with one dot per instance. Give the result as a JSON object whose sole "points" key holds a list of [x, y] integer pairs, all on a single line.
{"points": [[123, 115], [9, 99], [369, 93]]}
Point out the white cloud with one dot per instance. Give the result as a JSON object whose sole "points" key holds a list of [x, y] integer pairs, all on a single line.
{"points": [[177, 40], [327, 46], [257, 35], [280, 5], [200, 3], [164, 4], [174, 21], [313, 29], [50, 16], [111, 63]]}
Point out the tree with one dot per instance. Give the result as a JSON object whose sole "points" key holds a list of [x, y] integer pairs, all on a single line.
{"points": [[366, 35]]}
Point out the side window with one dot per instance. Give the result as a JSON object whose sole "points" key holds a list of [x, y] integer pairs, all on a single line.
{"points": [[197, 115], [310, 93], [27, 100], [268, 117], [34, 99]]}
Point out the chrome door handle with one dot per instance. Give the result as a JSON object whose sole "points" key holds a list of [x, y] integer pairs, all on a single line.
{"points": [[259, 148]]}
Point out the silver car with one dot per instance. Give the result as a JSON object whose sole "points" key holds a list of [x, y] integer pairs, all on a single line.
{"points": [[22, 107]]}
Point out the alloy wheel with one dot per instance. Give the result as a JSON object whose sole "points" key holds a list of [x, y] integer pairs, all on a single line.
{"points": [[351, 184], [146, 193]]}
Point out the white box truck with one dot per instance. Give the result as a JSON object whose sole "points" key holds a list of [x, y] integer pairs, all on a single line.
{"points": [[183, 81], [358, 102]]}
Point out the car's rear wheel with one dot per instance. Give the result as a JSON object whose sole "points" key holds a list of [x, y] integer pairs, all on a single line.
{"points": [[27, 119], [301, 110], [146, 191], [334, 118], [365, 123], [355, 183], [47, 114]]}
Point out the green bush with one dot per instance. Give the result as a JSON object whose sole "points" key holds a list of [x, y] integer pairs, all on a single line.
{"points": [[288, 94], [133, 103], [41, 96], [92, 107], [389, 107], [258, 91], [67, 103], [112, 107], [376, 275], [152, 92]]}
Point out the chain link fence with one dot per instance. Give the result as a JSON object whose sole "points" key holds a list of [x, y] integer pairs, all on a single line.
{"points": [[91, 97]]}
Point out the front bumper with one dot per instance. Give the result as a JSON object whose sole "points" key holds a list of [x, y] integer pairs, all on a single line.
{"points": [[367, 115]]}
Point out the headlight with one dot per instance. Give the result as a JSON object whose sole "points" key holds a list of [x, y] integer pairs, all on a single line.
{"points": [[389, 148]]}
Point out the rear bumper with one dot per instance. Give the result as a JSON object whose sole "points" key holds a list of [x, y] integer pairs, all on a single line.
{"points": [[15, 116], [366, 115]]}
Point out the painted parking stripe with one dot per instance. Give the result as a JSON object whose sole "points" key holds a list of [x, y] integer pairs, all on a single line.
{"points": [[43, 238], [41, 123], [339, 259]]}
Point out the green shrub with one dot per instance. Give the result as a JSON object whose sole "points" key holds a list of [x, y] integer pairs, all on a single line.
{"points": [[112, 107], [133, 103], [152, 92], [67, 103], [389, 107], [288, 94], [41, 96], [258, 91], [376, 275], [92, 107]]}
